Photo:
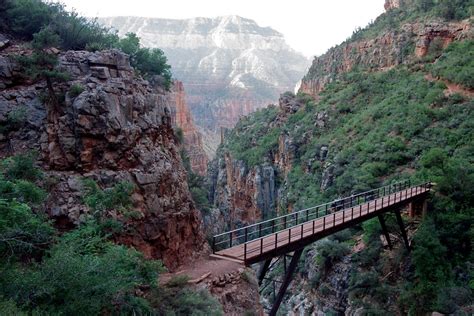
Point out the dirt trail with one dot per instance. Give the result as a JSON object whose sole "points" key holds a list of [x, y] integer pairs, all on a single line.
{"points": [[205, 268], [452, 88]]}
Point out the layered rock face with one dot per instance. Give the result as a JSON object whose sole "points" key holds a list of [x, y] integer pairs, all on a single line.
{"points": [[182, 118], [115, 127], [229, 65], [241, 195], [392, 48]]}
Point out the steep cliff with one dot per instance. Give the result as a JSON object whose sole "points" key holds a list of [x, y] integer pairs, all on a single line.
{"points": [[182, 118], [380, 108], [229, 65], [397, 41], [111, 126]]}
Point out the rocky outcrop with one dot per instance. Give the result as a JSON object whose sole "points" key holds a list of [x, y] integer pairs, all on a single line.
{"points": [[393, 47], [112, 126], [181, 117], [242, 195], [392, 4], [237, 292], [229, 65]]}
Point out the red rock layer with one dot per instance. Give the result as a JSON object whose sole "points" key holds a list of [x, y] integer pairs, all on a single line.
{"points": [[182, 118], [117, 128], [392, 48]]}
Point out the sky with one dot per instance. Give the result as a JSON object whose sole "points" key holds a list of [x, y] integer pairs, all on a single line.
{"points": [[309, 26]]}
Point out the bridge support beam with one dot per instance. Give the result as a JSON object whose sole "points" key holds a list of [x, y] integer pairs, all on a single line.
{"points": [[263, 270], [402, 229], [385, 230], [286, 281]]}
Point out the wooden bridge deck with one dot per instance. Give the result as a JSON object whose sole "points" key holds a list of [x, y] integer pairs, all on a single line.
{"points": [[300, 235]]}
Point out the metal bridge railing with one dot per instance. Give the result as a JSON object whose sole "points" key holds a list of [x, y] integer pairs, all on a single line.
{"points": [[267, 227]]}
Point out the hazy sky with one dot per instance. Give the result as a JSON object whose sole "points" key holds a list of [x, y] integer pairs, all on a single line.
{"points": [[309, 26]]}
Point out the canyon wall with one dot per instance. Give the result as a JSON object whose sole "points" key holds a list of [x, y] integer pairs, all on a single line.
{"points": [[241, 195], [192, 138], [382, 52], [229, 65], [112, 126]]}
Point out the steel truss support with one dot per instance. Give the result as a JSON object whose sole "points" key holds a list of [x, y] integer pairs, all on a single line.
{"points": [[385, 230], [263, 270], [402, 228], [286, 281]]}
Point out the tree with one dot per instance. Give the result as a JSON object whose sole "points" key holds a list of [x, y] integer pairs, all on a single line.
{"points": [[148, 62], [42, 64]]}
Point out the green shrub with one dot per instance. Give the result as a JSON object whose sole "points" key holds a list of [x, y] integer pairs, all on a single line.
{"points": [[9, 307], [456, 64], [330, 252], [20, 167], [101, 201], [73, 279], [175, 298], [16, 119], [75, 90], [27, 17], [23, 234], [148, 62]]}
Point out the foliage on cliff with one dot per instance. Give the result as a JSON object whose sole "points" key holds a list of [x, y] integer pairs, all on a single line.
{"points": [[44, 272], [416, 10], [382, 127], [26, 19]]}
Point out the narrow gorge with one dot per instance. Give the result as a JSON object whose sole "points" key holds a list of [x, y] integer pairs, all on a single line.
{"points": [[134, 151]]}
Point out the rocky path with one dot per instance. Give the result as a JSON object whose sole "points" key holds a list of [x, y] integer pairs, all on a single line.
{"points": [[234, 285], [204, 269], [452, 88]]}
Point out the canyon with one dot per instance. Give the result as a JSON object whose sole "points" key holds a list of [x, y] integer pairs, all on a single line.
{"points": [[393, 102], [229, 65], [290, 156]]}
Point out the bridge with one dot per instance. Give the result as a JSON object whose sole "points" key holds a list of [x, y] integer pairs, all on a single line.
{"points": [[290, 233]]}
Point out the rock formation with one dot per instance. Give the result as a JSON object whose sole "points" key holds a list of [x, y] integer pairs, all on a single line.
{"points": [[115, 126], [229, 65], [392, 4], [182, 118], [393, 47], [241, 195]]}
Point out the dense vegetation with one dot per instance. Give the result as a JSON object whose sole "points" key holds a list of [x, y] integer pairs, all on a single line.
{"points": [[416, 11], [33, 19], [383, 127], [456, 64], [44, 272]]}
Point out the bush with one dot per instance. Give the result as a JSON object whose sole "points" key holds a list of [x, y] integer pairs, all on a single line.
{"points": [[329, 252], [148, 62], [456, 64], [175, 298], [23, 234], [73, 279], [27, 17], [75, 90], [20, 167], [16, 119], [102, 201], [37, 20]]}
